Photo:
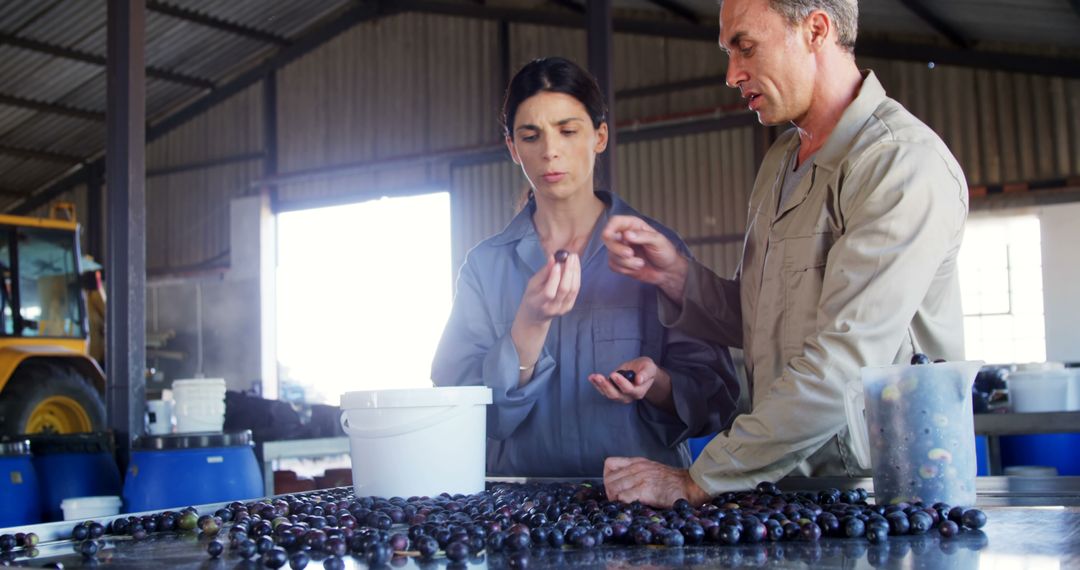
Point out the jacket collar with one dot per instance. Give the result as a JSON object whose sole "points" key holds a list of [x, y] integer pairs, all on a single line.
{"points": [[839, 144], [521, 231], [871, 95]]}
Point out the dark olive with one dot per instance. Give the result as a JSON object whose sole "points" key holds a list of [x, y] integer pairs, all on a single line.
{"points": [[561, 255]]}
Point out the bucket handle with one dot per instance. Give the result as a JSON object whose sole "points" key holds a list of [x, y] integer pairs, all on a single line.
{"points": [[447, 414], [855, 410]]}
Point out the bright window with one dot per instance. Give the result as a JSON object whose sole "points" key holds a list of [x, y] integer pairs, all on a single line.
{"points": [[363, 293], [1001, 286]]}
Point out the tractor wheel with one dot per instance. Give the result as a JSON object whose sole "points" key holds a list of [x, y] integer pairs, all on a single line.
{"points": [[47, 397]]}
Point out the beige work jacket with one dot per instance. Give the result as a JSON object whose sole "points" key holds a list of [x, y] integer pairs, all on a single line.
{"points": [[857, 269]]}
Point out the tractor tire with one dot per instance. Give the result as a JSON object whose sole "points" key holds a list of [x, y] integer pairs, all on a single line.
{"points": [[50, 397]]}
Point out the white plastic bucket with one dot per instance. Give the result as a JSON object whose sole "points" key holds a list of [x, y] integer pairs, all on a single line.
{"points": [[1044, 390], [417, 442], [1073, 404], [159, 417], [199, 404], [76, 508]]}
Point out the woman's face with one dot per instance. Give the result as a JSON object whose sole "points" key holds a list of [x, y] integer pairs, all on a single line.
{"points": [[556, 145]]}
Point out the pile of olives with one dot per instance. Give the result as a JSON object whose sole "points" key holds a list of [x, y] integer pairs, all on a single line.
{"points": [[514, 519]]}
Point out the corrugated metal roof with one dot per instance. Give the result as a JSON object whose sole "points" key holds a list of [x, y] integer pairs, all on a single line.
{"points": [[204, 52]]}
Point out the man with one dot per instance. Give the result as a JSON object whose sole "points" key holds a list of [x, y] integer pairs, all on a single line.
{"points": [[849, 258]]}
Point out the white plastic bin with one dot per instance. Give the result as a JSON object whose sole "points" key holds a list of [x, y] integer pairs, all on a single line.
{"points": [[417, 442], [1073, 390], [77, 508], [1039, 388], [199, 404]]}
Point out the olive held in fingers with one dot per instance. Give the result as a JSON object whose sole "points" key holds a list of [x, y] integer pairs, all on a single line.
{"points": [[561, 255]]}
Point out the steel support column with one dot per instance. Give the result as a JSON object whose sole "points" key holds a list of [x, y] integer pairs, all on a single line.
{"points": [[95, 221], [600, 32], [125, 262], [270, 135]]}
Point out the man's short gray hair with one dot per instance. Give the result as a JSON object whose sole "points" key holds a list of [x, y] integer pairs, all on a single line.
{"points": [[844, 14]]}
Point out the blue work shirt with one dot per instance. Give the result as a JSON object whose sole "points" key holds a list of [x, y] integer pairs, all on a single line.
{"points": [[559, 425]]}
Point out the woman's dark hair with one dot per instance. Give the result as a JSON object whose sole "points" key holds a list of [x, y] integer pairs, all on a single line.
{"points": [[556, 75]]}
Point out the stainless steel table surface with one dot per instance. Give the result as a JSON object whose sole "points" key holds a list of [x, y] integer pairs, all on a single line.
{"points": [[1014, 537]]}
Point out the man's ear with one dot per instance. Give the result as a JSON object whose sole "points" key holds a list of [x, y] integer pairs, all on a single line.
{"points": [[513, 151], [818, 26]]}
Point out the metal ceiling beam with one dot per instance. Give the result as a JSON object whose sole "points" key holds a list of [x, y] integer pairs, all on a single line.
{"points": [[39, 154], [216, 23], [353, 16], [942, 27], [54, 108], [866, 47], [557, 19], [995, 61], [673, 7], [570, 4], [86, 57]]}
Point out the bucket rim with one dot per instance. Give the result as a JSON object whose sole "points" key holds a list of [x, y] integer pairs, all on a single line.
{"points": [[91, 501], [416, 397], [946, 364]]}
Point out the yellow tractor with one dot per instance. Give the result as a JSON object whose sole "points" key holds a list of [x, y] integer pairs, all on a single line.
{"points": [[48, 382]]}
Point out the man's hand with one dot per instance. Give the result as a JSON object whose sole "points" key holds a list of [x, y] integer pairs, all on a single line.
{"points": [[637, 250], [630, 479]]}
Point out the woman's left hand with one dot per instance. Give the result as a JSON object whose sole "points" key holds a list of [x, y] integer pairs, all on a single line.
{"points": [[646, 377]]}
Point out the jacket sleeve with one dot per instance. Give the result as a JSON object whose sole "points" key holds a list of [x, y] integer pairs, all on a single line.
{"points": [[711, 307], [704, 388], [903, 208], [704, 384], [474, 352]]}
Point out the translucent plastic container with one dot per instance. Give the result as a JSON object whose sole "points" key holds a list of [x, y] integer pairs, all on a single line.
{"points": [[918, 432], [418, 442]]}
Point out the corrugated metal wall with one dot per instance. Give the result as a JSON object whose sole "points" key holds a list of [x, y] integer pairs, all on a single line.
{"points": [[1002, 127], [187, 213], [412, 84]]}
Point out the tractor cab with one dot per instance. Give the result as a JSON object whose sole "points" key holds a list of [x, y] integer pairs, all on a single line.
{"points": [[48, 383]]}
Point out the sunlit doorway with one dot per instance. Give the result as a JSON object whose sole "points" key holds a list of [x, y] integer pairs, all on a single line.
{"points": [[363, 292]]}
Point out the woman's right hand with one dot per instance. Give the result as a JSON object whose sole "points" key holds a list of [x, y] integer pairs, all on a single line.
{"points": [[551, 292]]}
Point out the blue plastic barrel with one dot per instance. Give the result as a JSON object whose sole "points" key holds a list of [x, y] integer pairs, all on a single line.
{"points": [[982, 456], [75, 465], [697, 444], [18, 485], [178, 470], [1053, 449]]}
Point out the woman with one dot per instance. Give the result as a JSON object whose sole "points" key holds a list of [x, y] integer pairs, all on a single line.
{"points": [[548, 336]]}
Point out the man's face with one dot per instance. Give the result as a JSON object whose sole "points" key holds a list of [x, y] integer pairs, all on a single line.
{"points": [[769, 62]]}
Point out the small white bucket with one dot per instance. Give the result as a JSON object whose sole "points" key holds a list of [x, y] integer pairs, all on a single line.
{"points": [[1073, 404], [159, 417], [199, 404], [76, 508], [1039, 390], [417, 442]]}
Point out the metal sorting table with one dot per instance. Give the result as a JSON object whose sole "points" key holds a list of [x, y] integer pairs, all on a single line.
{"points": [[995, 425], [296, 449], [1015, 536]]}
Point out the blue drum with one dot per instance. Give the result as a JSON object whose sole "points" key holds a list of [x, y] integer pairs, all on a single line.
{"points": [[179, 470], [75, 465], [18, 485], [1058, 450]]}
